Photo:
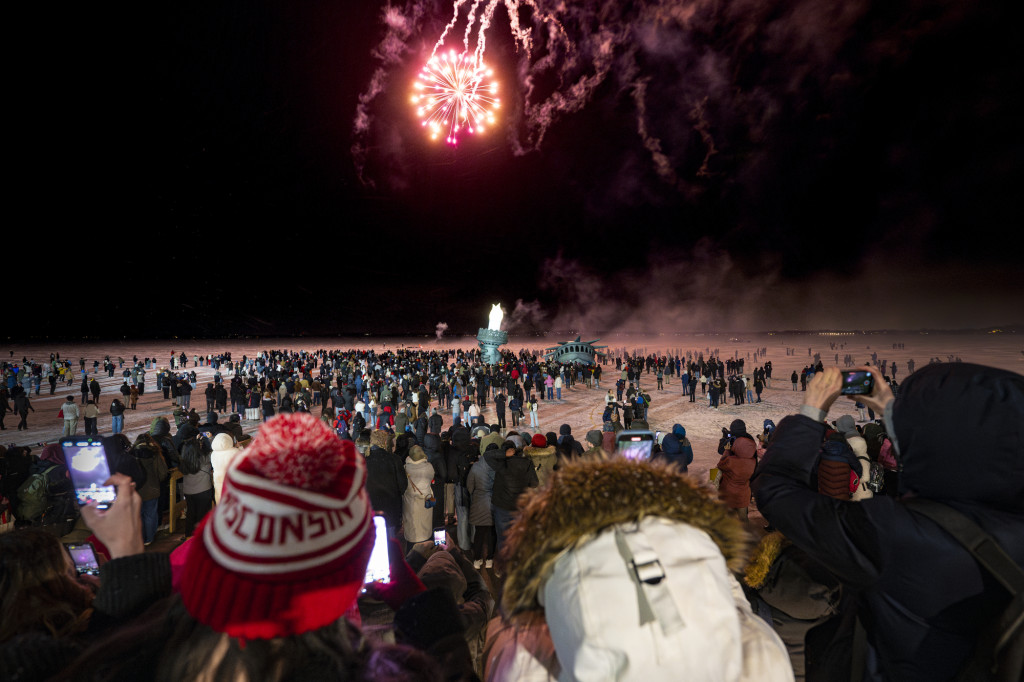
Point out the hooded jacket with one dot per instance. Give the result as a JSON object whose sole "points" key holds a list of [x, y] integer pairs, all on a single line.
{"points": [[160, 429], [543, 460], [960, 433], [513, 476], [582, 501], [435, 455], [737, 466], [480, 484], [460, 455], [673, 452], [385, 479]]}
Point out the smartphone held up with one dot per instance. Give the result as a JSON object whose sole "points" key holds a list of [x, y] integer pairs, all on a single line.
{"points": [[378, 570], [635, 445], [84, 557], [89, 467]]}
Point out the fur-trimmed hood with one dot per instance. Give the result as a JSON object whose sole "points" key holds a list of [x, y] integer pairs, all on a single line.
{"points": [[584, 497], [540, 453]]}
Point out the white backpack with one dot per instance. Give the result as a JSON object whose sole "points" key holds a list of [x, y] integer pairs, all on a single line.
{"points": [[654, 600]]}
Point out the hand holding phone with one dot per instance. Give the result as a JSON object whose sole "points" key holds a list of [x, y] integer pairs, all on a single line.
{"points": [[378, 570], [89, 467], [118, 526], [635, 445], [440, 537], [84, 557]]}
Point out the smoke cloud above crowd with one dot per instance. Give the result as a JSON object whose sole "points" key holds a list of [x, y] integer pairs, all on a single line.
{"points": [[768, 162]]}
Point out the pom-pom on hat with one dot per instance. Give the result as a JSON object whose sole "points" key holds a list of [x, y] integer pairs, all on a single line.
{"points": [[285, 550], [539, 441]]}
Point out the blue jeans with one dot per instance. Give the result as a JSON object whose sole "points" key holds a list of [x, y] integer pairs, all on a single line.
{"points": [[558, 392], [533, 418], [551, 393], [117, 423], [150, 519], [502, 522]]}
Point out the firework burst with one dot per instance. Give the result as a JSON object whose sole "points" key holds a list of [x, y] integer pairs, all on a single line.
{"points": [[455, 93]]}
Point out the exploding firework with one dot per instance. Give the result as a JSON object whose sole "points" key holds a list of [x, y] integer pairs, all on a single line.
{"points": [[455, 93]]}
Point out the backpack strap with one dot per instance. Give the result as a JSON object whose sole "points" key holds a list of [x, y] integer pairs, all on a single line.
{"points": [[978, 542], [999, 654], [653, 595]]}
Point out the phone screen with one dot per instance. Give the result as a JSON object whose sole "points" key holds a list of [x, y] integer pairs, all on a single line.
{"points": [[439, 536], [379, 568], [84, 558], [636, 445], [857, 382], [87, 463]]}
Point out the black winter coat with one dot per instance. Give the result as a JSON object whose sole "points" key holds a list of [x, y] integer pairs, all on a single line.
{"points": [[386, 482], [460, 456], [960, 432], [511, 478]]}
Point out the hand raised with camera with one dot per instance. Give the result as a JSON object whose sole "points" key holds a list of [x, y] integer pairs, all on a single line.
{"points": [[823, 389], [119, 527], [880, 396], [404, 582]]}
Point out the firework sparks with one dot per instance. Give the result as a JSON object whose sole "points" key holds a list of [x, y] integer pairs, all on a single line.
{"points": [[455, 93]]}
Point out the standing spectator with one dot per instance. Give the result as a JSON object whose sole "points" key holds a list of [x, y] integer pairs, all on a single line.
{"points": [[22, 405], [211, 398], [197, 482], [533, 412], [5, 407], [385, 479], [542, 456], [267, 405], [480, 484], [514, 475], [94, 389], [738, 450], [85, 388], [417, 518], [116, 416], [91, 415], [150, 458], [133, 397], [71, 414]]}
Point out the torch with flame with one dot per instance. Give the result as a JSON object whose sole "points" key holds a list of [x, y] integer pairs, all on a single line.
{"points": [[494, 320]]}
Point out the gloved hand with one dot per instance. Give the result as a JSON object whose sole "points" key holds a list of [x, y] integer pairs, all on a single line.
{"points": [[404, 582]]}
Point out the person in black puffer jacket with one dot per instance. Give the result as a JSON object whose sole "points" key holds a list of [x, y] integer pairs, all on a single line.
{"points": [[435, 455], [515, 475], [385, 479], [461, 456]]}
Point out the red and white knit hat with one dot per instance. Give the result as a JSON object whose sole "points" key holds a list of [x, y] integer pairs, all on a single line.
{"points": [[285, 550]]}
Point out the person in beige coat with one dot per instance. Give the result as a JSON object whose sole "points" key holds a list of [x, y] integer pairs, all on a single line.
{"points": [[543, 457], [417, 518]]}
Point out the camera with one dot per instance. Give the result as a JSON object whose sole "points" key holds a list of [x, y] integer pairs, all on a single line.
{"points": [[857, 382]]}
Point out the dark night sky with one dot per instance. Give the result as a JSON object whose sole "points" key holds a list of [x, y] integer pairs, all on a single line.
{"points": [[819, 163]]}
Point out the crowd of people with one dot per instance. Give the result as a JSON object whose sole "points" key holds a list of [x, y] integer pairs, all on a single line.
{"points": [[566, 537]]}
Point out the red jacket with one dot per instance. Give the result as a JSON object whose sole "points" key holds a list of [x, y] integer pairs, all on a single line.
{"points": [[737, 466]]}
